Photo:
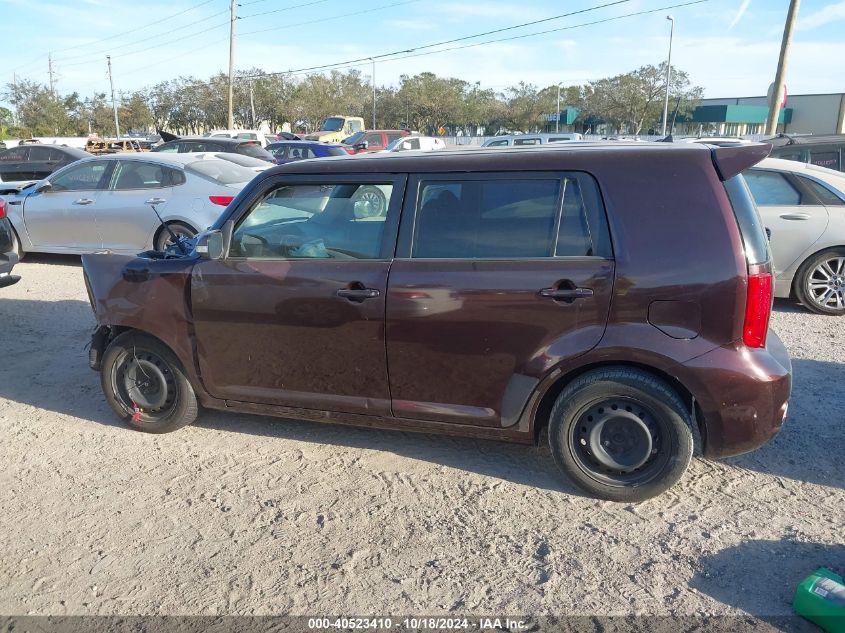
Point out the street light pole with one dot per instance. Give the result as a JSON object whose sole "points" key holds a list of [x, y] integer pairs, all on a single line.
{"points": [[668, 74], [374, 92], [557, 116], [780, 75], [232, 17]]}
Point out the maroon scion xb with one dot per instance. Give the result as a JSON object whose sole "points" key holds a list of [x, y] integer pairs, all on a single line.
{"points": [[616, 295]]}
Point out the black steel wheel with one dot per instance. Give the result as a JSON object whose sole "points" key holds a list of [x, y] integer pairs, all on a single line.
{"points": [[145, 384], [621, 434]]}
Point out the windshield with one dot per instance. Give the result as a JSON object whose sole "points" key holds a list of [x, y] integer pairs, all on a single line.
{"points": [[392, 144], [333, 124], [355, 138], [223, 172]]}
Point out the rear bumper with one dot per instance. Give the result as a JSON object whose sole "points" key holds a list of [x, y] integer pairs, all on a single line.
{"points": [[742, 394]]}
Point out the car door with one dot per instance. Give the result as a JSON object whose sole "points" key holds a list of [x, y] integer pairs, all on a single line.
{"points": [[13, 164], [294, 315], [64, 215], [125, 218], [793, 215], [498, 278]]}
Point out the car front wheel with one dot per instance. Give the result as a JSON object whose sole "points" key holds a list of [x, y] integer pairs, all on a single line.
{"points": [[621, 434], [145, 384]]}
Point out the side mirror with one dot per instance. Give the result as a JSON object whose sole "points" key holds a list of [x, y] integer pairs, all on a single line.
{"points": [[43, 187], [215, 244], [362, 145]]}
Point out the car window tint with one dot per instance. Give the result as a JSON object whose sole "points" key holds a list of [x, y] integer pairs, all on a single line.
{"points": [[85, 177], [248, 136], [172, 146], [326, 221], [223, 172], [129, 175], [253, 149], [497, 143], [506, 218], [583, 228], [825, 159], [823, 193], [39, 153], [373, 140], [58, 155], [771, 189], [14, 155], [748, 219], [393, 137], [526, 141]]}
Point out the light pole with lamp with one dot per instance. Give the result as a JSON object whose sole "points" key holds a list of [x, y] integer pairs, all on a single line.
{"points": [[668, 74], [374, 92], [557, 116]]}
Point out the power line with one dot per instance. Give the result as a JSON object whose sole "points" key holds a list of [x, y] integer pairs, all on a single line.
{"points": [[297, 6]]}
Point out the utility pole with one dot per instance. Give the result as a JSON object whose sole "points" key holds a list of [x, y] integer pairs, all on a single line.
{"points": [[780, 76], [374, 92], [232, 17], [50, 71], [113, 102], [252, 104], [668, 74]]}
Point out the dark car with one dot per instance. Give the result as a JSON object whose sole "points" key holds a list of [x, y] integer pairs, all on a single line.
{"points": [[289, 151], [617, 296], [216, 144], [823, 150], [35, 162], [8, 250], [369, 141]]}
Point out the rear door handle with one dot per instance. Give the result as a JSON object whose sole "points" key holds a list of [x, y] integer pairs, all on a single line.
{"points": [[795, 216], [83, 201], [566, 294], [358, 294], [155, 201]]}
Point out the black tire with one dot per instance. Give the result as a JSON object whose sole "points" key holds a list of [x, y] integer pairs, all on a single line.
{"points": [[642, 421], [811, 285], [165, 399], [163, 239]]}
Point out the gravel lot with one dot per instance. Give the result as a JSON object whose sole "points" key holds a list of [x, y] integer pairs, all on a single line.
{"points": [[249, 515]]}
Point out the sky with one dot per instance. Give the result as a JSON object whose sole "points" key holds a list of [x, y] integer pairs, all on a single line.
{"points": [[729, 47]]}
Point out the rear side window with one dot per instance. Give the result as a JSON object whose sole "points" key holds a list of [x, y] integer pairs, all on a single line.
{"points": [[526, 141], [254, 149], [770, 188], [829, 159], [510, 218], [824, 194], [748, 219], [14, 155], [222, 172]]}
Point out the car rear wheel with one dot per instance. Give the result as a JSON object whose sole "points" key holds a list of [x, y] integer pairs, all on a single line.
{"points": [[621, 434], [145, 384], [163, 239], [820, 282]]}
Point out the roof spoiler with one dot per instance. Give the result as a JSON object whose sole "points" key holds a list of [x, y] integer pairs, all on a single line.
{"points": [[166, 136], [731, 160]]}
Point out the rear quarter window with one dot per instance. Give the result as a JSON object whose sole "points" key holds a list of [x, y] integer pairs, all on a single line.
{"points": [[754, 238]]}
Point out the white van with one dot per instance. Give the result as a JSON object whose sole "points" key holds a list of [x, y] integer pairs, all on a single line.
{"points": [[517, 140]]}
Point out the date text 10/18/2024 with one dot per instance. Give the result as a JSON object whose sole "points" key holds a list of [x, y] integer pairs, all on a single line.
{"points": [[411, 623]]}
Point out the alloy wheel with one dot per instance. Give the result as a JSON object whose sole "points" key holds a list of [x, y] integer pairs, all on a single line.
{"points": [[826, 284]]}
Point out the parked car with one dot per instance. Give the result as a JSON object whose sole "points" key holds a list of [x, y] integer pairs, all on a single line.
{"points": [[2, 145], [422, 143], [372, 140], [105, 202], [241, 135], [516, 140], [336, 128], [537, 323], [220, 144], [34, 162], [289, 151], [803, 208], [823, 150], [8, 252], [100, 146]]}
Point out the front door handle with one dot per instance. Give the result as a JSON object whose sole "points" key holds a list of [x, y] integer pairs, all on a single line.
{"points": [[358, 293], [155, 201], [795, 216], [566, 294], [83, 201]]}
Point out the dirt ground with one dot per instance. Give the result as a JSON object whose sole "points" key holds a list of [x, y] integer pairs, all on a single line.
{"points": [[249, 515]]}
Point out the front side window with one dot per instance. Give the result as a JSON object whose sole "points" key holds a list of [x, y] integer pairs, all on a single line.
{"points": [[497, 143], [84, 177], [315, 221], [771, 189], [172, 147], [510, 218]]}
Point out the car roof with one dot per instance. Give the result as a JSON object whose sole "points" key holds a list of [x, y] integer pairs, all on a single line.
{"points": [[809, 139], [214, 139], [300, 142], [167, 158], [536, 157]]}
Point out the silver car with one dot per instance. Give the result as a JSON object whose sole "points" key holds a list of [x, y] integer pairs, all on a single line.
{"points": [[105, 202], [803, 210]]}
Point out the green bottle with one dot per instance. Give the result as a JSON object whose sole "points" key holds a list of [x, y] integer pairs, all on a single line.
{"points": [[821, 599]]}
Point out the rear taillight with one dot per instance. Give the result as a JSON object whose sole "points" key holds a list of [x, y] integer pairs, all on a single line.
{"points": [[758, 308], [221, 200], [2, 209]]}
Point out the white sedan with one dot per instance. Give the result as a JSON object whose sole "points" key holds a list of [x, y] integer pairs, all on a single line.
{"points": [[422, 143]]}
